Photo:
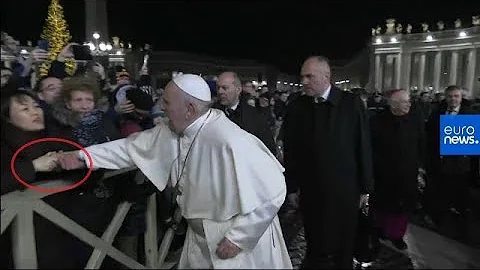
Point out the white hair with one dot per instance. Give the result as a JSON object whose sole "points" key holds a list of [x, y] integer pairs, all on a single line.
{"points": [[202, 106], [395, 96]]}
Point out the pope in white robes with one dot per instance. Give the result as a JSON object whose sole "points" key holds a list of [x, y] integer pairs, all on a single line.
{"points": [[231, 186]]}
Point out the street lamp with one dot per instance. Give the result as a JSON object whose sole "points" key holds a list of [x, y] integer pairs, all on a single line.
{"points": [[91, 45], [96, 37], [99, 47], [102, 46]]}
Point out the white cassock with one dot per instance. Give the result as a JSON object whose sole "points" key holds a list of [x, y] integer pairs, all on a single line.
{"points": [[232, 186]]}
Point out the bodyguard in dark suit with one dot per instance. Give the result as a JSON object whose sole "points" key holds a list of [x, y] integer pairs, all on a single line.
{"points": [[449, 176], [328, 159], [229, 88]]}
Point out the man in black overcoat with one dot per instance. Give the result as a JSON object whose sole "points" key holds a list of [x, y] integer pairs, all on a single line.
{"points": [[328, 159], [229, 88], [450, 177]]}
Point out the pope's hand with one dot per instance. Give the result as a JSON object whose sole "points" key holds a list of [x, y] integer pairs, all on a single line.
{"points": [[45, 163], [227, 249], [70, 161]]}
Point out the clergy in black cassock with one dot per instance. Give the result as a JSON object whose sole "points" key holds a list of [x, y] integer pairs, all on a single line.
{"points": [[328, 159], [398, 146]]}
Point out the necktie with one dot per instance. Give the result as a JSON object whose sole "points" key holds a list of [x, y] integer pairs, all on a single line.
{"points": [[452, 111], [230, 112], [319, 100]]}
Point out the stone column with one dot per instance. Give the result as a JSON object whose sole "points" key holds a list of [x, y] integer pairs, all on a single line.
{"points": [[470, 74], [96, 19], [398, 71], [378, 73], [388, 69], [453, 68], [421, 72], [406, 69], [7, 63], [437, 71]]}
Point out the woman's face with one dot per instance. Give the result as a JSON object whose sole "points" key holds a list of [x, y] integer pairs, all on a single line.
{"points": [[81, 102], [26, 114]]}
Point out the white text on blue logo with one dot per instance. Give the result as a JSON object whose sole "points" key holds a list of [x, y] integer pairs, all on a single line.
{"points": [[459, 135]]}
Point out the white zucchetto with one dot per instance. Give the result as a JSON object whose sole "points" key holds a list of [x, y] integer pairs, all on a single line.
{"points": [[193, 85]]}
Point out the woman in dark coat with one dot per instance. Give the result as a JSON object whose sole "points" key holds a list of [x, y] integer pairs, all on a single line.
{"points": [[398, 140], [23, 121], [91, 205]]}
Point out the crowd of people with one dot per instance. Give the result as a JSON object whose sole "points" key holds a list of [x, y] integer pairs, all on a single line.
{"points": [[351, 163]]}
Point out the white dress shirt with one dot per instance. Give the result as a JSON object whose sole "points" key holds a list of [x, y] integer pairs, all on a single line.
{"points": [[325, 95]]}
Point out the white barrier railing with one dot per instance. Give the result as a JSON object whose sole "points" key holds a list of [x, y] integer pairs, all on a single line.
{"points": [[18, 208]]}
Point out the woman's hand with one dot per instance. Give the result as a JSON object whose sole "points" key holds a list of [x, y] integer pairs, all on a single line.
{"points": [[46, 163]]}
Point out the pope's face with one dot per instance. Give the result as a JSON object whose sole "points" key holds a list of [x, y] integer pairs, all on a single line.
{"points": [[173, 104]]}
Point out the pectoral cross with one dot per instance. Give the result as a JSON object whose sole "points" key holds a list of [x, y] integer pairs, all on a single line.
{"points": [[177, 191]]}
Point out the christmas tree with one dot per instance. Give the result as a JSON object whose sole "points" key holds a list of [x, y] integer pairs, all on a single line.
{"points": [[55, 31]]}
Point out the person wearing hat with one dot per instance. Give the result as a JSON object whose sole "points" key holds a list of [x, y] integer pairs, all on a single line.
{"points": [[229, 186], [398, 151]]}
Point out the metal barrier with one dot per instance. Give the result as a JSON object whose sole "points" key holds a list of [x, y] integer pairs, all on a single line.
{"points": [[18, 208]]}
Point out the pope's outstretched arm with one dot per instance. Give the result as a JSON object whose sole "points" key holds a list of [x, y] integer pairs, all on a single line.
{"points": [[110, 155]]}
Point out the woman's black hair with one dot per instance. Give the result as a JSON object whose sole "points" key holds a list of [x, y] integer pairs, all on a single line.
{"points": [[6, 100]]}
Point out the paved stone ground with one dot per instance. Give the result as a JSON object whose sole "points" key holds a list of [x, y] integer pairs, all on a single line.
{"points": [[389, 258]]}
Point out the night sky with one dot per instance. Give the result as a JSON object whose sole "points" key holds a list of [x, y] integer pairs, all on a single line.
{"points": [[281, 33]]}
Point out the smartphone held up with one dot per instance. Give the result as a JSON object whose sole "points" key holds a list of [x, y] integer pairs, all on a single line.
{"points": [[82, 52]]}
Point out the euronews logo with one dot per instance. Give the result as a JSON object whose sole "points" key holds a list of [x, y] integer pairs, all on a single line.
{"points": [[460, 134]]}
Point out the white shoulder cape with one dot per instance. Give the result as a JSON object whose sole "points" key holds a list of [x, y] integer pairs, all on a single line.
{"points": [[229, 171]]}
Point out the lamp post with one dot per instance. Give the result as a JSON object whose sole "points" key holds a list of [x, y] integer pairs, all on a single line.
{"points": [[99, 47], [112, 53]]}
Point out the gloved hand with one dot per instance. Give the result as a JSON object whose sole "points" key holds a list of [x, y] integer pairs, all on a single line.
{"points": [[124, 107]]}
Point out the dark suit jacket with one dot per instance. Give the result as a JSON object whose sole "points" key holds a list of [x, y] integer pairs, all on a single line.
{"points": [[330, 172], [447, 164], [251, 120]]}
